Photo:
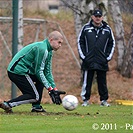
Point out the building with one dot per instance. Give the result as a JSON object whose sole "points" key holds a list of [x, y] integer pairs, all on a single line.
{"points": [[49, 5]]}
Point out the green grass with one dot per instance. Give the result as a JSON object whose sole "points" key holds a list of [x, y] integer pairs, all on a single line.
{"points": [[114, 119]]}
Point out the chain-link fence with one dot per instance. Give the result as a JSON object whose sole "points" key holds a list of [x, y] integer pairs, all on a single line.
{"points": [[5, 47]]}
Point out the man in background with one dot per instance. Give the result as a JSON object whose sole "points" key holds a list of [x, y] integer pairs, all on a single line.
{"points": [[95, 46]]}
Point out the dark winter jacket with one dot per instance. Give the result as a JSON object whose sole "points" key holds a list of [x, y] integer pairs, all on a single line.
{"points": [[96, 46]]}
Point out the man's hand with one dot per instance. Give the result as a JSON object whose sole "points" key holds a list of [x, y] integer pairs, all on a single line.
{"points": [[55, 95]]}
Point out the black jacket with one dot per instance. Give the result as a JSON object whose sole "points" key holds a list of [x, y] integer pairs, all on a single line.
{"points": [[96, 46]]}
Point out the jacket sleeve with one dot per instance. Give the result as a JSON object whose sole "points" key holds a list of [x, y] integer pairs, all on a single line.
{"points": [[48, 70], [110, 46], [81, 44], [40, 59]]}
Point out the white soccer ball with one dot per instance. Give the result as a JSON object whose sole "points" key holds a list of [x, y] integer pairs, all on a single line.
{"points": [[70, 102]]}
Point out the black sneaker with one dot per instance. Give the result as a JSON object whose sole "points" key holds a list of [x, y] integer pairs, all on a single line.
{"points": [[6, 107], [37, 109]]}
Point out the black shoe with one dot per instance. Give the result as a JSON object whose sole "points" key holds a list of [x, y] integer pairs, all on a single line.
{"points": [[37, 109], [6, 107]]}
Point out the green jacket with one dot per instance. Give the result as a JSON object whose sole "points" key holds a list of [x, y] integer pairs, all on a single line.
{"points": [[34, 59]]}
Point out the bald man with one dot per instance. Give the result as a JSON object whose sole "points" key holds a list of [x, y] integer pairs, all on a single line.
{"points": [[30, 70]]}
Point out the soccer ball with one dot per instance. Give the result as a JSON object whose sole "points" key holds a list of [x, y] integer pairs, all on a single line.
{"points": [[70, 102]]}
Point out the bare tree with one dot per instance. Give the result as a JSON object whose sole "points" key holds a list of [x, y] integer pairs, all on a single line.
{"points": [[124, 50]]}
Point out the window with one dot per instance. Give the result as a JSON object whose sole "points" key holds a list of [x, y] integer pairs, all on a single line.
{"points": [[53, 8]]}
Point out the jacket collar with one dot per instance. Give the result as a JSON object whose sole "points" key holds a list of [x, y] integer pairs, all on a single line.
{"points": [[48, 45]]}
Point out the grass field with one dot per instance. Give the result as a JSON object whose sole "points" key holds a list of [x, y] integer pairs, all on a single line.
{"points": [[92, 119]]}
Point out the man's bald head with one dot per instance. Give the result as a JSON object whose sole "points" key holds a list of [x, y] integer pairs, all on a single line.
{"points": [[55, 35], [55, 39]]}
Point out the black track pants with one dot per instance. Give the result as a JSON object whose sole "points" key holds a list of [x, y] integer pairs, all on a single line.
{"points": [[30, 87], [87, 84]]}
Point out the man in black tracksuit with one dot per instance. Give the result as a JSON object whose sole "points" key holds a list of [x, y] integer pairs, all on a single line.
{"points": [[95, 46]]}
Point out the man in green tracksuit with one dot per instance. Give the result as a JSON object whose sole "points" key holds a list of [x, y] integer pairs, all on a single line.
{"points": [[30, 70]]}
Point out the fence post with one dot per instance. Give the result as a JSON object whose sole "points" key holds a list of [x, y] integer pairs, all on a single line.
{"points": [[14, 38]]}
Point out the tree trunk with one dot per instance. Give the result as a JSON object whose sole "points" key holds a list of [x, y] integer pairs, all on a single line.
{"points": [[20, 25], [124, 51], [128, 57], [119, 30]]}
